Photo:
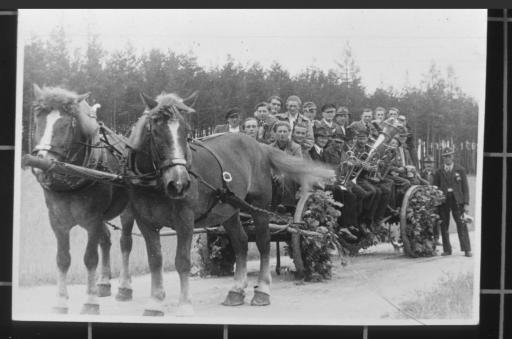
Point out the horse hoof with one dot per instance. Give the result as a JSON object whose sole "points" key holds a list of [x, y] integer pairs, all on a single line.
{"points": [[185, 310], [60, 310], [234, 298], [153, 313], [124, 294], [90, 309], [104, 290], [260, 299]]}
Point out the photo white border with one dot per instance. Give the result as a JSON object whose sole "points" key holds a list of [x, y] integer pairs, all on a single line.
{"points": [[168, 319]]}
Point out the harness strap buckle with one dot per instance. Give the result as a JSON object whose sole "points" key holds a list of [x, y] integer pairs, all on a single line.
{"points": [[226, 176]]}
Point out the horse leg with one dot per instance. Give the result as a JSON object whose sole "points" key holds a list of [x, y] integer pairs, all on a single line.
{"points": [[154, 250], [238, 239], [63, 263], [104, 288], [91, 258], [262, 289], [182, 263], [125, 291]]}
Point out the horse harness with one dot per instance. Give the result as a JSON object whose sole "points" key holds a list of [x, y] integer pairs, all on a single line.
{"points": [[94, 158]]}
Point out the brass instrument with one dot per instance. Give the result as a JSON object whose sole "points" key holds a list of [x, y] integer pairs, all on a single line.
{"points": [[348, 167], [390, 128]]}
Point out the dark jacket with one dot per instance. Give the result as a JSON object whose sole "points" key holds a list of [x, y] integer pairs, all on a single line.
{"points": [[457, 180], [315, 156]]}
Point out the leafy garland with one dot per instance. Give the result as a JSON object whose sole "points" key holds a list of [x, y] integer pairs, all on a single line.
{"points": [[422, 216], [217, 256], [320, 216]]}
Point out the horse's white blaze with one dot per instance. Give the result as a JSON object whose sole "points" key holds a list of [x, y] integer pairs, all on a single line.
{"points": [[46, 139], [177, 150]]}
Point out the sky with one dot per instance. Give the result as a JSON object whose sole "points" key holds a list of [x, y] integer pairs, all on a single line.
{"points": [[386, 44]]}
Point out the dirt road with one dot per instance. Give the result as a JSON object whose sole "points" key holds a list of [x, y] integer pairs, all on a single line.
{"points": [[367, 290]]}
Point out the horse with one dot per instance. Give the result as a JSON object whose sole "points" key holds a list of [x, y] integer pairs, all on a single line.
{"points": [[195, 181], [66, 130]]}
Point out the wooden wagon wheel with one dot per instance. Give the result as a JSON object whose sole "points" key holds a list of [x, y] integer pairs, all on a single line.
{"points": [[403, 221], [296, 248]]}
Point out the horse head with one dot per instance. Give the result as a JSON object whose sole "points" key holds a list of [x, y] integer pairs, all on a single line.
{"points": [[63, 122], [163, 130]]}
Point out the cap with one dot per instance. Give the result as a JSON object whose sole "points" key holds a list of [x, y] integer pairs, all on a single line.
{"points": [[232, 112], [447, 151], [321, 132]]}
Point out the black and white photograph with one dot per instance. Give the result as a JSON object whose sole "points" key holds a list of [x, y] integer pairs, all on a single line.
{"points": [[249, 166]]}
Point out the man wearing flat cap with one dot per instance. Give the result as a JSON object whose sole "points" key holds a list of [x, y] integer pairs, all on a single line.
{"points": [[322, 136], [342, 119], [451, 179], [232, 122], [327, 121]]}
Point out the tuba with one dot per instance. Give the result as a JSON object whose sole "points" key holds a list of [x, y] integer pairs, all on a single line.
{"points": [[390, 128]]}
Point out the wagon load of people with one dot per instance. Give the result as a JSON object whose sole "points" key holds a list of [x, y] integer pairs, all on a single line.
{"points": [[323, 187]]}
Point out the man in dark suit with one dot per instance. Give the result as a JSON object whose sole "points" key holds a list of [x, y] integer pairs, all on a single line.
{"points": [[365, 123], [327, 122], [232, 122], [316, 152], [451, 179], [342, 118]]}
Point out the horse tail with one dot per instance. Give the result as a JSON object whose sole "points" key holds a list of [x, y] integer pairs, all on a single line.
{"points": [[306, 172]]}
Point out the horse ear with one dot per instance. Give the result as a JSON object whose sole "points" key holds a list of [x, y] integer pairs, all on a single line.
{"points": [[150, 103], [37, 91], [192, 96], [83, 97]]}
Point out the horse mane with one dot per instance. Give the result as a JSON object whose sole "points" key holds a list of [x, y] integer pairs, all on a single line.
{"points": [[56, 98], [166, 99]]}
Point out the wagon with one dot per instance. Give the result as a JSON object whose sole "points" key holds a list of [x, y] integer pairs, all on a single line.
{"points": [[416, 218]]}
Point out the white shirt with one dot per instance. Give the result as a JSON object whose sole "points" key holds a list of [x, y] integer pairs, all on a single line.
{"points": [[234, 130], [318, 149], [329, 124], [448, 168]]}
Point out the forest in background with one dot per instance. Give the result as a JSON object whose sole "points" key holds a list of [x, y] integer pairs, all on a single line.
{"points": [[436, 109]]}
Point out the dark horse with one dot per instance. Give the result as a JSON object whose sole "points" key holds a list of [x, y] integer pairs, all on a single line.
{"points": [[189, 174], [66, 130]]}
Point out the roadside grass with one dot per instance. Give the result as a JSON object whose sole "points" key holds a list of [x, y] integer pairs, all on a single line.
{"points": [[450, 298]]}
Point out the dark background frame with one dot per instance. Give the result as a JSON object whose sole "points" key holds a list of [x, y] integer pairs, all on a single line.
{"points": [[496, 266]]}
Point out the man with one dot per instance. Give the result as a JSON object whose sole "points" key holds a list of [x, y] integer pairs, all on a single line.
{"points": [[265, 123], [371, 194], [233, 122], [380, 114], [365, 123], [395, 169], [451, 179], [327, 122], [428, 171], [283, 188], [299, 136], [335, 155], [276, 103], [341, 118], [321, 138], [409, 141], [393, 112], [309, 110], [250, 127], [292, 116]]}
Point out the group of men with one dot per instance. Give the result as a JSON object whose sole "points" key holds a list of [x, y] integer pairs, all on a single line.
{"points": [[366, 187]]}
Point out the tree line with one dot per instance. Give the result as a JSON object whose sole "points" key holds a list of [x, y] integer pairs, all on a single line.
{"points": [[436, 108]]}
